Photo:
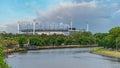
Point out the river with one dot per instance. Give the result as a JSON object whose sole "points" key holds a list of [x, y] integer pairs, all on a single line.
{"points": [[62, 58]]}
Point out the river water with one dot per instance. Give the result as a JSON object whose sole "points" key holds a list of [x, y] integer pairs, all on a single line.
{"points": [[62, 58]]}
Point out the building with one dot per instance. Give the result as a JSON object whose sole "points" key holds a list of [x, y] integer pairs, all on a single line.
{"points": [[25, 27]]}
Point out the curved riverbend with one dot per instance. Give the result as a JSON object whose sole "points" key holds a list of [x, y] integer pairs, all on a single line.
{"points": [[62, 58]]}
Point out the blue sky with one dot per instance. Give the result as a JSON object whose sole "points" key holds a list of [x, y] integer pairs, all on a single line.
{"points": [[17, 9], [98, 13]]}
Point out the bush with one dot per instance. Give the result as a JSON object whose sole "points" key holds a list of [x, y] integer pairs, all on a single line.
{"points": [[3, 64], [22, 40]]}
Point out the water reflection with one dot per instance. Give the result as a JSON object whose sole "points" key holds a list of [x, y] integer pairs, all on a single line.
{"points": [[62, 58]]}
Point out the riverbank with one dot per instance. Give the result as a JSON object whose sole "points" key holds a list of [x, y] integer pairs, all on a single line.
{"points": [[14, 50], [7, 51], [65, 46], [107, 53]]}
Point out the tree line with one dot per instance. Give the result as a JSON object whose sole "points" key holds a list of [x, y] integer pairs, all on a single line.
{"points": [[111, 39], [77, 38]]}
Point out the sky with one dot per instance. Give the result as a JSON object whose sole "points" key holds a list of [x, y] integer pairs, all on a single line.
{"points": [[101, 15]]}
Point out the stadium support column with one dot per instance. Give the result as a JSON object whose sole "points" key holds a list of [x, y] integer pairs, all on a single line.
{"points": [[34, 21], [33, 28], [18, 27], [71, 25], [87, 29], [68, 26]]}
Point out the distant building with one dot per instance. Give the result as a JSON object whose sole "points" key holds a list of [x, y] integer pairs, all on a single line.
{"points": [[50, 33], [34, 27]]}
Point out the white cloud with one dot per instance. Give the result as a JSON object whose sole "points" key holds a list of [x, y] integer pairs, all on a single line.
{"points": [[99, 16], [80, 13]]}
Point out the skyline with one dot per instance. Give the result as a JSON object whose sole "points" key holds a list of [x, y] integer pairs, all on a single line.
{"points": [[101, 15]]}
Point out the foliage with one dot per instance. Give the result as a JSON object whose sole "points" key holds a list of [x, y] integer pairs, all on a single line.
{"points": [[22, 40], [82, 38], [77, 38], [9, 43], [115, 32], [2, 61], [99, 37], [36, 41], [112, 40]]}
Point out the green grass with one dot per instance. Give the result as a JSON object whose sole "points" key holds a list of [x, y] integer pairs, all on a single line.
{"points": [[106, 53], [14, 50]]}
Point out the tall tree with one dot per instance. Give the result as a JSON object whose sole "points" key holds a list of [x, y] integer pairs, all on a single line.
{"points": [[22, 40]]}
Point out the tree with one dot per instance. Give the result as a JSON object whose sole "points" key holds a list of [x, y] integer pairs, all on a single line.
{"points": [[99, 36], [9, 43], [59, 40], [36, 41], [111, 39], [118, 42], [107, 42], [115, 32], [3, 64], [82, 38], [68, 41], [22, 40]]}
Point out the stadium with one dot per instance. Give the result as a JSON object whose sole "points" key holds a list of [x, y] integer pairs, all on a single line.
{"points": [[36, 27]]}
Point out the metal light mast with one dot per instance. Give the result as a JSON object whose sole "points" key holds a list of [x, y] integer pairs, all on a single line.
{"points": [[87, 29], [18, 27], [34, 21], [71, 25]]}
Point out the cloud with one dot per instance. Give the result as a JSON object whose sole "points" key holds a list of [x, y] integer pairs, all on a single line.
{"points": [[96, 13], [81, 13], [12, 25]]}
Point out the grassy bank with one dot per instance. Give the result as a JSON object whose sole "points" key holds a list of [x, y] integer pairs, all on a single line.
{"points": [[65, 46], [7, 51], [107, 53], [47, 47]]}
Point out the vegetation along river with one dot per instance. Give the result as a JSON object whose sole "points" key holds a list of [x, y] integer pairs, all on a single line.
{"points": [[62, 58]]}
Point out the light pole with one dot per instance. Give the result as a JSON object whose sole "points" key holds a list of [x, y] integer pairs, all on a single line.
{"points": [[71, 25], [18, 27], [34, 22], [87, 29], [116, 45]]}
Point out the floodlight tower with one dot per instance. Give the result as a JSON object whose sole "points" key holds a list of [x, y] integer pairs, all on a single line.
{"points": [[18, 27], [71, 25], [87, 29], [34, 22]]}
